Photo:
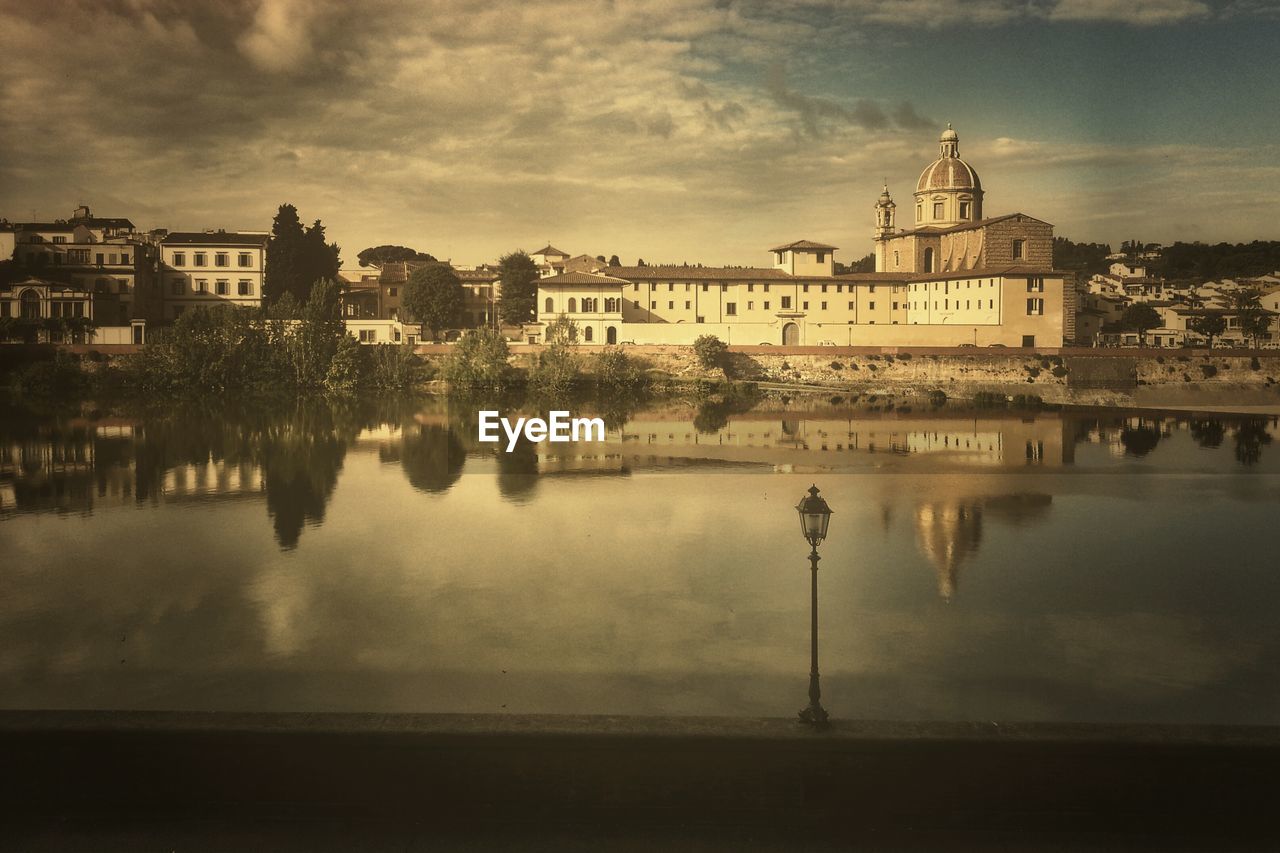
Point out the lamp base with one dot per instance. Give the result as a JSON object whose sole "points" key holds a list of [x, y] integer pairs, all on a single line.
{"points": [[814, 715]]}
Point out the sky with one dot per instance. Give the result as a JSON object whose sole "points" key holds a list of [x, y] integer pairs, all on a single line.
{"points": [[704, 131]]}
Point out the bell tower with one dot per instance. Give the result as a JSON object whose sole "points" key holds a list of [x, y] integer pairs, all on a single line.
{"points": [[885, 215]]}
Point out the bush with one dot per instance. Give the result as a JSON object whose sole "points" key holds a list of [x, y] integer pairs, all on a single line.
{"points": [[1254, 364], [937, 397], [1060, 371], [1209, 370], [556, 373], [710, 351], [61, 374], [1033, 372], [479, 360], [614, 369], [835, 365], [343, 375], [904, 356], [393, 368]]}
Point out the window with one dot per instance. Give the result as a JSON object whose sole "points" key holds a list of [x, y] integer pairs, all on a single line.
{"points": [[895, 259], [222, 259], [806, 288], [122, 285], [766, 305], [59, 239], [824, 288], [100, 259], [1018, 249], [766, 288], [671, 287], [548, 306], [653, 305], [124, 258], [937, 210], [780, 255], [368, 336], [78, 256], [724, 288], [919, 216], [1035, 285], [701, 319], [201, 259], [245, 288], [964, 210], [179, 259], [223, 286], [850, 305], [246, 260], [824, 306], [786, 302], [587, 334], [671, 306], [731, 309], [4, 309], [687, 305], [750, 288], [871, 306], [590, 305], [822, 257], [751, 306], [1035, 306], [393, 291], [175, 287], [201, 286], [871, 289], [573, 305], [805, 306], [895, 306]]}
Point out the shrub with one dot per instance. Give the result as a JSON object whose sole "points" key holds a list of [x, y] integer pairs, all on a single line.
{"points": [[711, 351], [479, 360], [614, 369], [61, 374], [904, 356], [1254, 364], [393, 368], [1033, 373], [937, 397], [556, 373], [1060, 371], [1159, 359], [343, 375], [836, 400], [1209, 370], [835, 365]]}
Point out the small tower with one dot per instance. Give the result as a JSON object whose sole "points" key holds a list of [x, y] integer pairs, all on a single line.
{"points": [[885, 213]]}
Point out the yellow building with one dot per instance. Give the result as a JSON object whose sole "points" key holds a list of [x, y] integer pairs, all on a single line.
{"points": [[955, 279], [208, 268]]}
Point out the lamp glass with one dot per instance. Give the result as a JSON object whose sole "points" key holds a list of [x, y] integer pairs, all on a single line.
{"points": [[815, 515]]}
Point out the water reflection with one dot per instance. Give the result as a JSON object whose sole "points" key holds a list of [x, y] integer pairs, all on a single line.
{"points": [[948, 532]]}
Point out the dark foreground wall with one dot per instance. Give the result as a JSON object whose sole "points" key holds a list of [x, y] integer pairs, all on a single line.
{"points": [[953, 776]]}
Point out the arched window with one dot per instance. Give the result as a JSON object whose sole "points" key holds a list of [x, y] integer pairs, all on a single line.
{"points": [[30, 305], [928, 260], [549, 305], [611, 335], [573, 305], [586, 334]]}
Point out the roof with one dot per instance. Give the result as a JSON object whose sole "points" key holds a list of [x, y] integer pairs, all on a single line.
{"points": [[41, 282], [581, 278], [477, 275], [104, 222], [987, 272], [803, 244], [876, 276], [46, 226], [948, 173], [683, 273], [551, 250], [214, 238], [1219, 312], [965, 226]]}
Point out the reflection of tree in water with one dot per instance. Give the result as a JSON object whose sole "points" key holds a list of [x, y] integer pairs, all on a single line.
{"points": [[432, 457], [1250, 437], [518, 471], [1207, 432], [1139, 440], [301, 456]]}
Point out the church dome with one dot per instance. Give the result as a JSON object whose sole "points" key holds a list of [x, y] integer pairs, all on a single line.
{"points": [[948, 172]]}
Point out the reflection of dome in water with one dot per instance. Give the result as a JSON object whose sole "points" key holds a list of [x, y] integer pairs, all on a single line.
{"points": [[946, 533]]}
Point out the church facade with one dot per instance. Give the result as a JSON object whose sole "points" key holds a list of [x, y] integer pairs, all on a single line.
{"points": [[954, 278]]}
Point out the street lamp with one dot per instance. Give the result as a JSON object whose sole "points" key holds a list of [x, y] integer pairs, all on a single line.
{"points": [[815, 515]]}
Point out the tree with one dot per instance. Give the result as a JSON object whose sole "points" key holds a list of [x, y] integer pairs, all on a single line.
{"points": [[1088, 258], [480, 360], [1141, 318], [433, 295], [1209, 325], [378, 255], [519, 277], [710, 351], [600, 258], [562, 330], [1255, 322], [641, 263], [614, 262], [297, 257]]}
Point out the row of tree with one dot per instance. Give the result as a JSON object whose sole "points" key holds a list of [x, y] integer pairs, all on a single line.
{"points": [[1255, 322]]}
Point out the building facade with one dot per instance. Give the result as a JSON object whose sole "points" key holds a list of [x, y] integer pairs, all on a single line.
{"points": [[208, 268]]}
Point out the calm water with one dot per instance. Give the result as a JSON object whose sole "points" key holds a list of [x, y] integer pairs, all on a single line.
{"points": [[981, 565]]}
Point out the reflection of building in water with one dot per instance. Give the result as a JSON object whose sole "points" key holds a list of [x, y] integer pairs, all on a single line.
{"points": [[67, 470], [796, 438], [213, 479], [949, 531]]}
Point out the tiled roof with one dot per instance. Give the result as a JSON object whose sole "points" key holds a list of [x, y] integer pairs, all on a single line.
{"points": [[581, 278], [477, 275], [683, 273], [803, 244], [987, 272], [214, 238], [875, 277], [551, 250]]}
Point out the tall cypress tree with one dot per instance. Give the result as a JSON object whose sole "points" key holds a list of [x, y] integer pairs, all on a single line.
{"points": [[297, 257]]}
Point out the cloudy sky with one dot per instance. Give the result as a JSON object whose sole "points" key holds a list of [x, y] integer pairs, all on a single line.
{"points": [[699, 130]]}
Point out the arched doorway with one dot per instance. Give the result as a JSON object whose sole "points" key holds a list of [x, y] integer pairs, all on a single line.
{"points": [[791, 335], [928, 260], [30, 305], [611, 335]]}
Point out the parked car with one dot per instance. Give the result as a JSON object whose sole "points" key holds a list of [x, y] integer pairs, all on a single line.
{"points": [[1001, 346], [764, 344], [969, 345], [452, 336]]}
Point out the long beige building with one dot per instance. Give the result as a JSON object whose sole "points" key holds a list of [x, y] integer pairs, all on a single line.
{"points": [[954, 279]]}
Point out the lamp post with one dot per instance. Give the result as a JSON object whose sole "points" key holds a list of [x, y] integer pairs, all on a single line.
{"points": [[815, 515]]}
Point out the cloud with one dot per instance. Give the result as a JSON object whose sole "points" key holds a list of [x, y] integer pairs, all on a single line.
{"points": [[278, 39], [1144, 13]]}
